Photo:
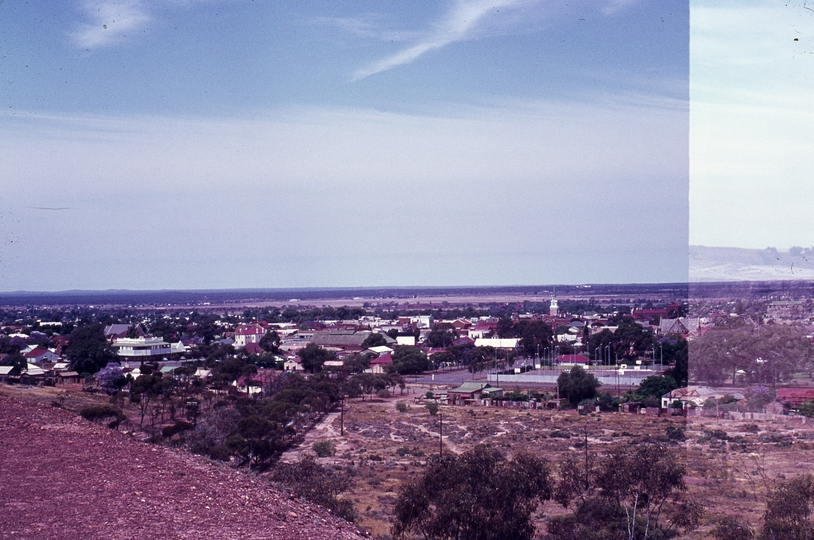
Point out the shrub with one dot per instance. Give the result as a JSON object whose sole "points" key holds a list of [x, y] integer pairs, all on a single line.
{"points": [[317, 484], [100, 413], [178, 427], [806, 409], [651, 402], [383, 393], [323, 448], [675, 433], [407, 451], [219, 453], [401, 406], [433, 407], [731, 528]]}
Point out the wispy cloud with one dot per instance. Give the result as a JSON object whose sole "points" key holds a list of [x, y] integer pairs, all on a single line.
{"points": [[368, 25], [110, 22], [458, 24], [614, 6]]}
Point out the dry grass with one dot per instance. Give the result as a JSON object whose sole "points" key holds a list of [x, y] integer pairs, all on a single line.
{"points": [[729, 474]]}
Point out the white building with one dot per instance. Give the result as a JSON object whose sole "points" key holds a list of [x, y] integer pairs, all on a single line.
{"points": [[248, 333], [142, 348], [498, 343]]}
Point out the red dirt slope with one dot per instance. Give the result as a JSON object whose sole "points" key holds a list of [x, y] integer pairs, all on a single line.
{"points": [[63, 477]]}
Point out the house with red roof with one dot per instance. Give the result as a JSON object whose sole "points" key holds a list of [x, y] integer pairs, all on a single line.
{"points": [[482, 329], [377, 365], [795, 397], [574, 359], [38, 356], [248, 333]]}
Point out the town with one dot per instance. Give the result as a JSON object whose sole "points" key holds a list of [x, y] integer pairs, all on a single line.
{"points": [[268, 384]]}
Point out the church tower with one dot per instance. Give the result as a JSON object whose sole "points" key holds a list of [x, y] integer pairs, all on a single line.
{"points": [[553, 310]]}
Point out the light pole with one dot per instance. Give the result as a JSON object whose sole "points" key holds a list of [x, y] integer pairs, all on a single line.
{"points": [[342, 418], [661, 356]]}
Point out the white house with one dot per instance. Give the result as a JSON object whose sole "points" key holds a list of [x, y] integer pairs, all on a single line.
{"points": [[142, 348], [248, 333]]}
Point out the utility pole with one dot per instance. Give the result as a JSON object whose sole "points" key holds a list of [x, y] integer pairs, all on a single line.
{"points": [[342, 418], [587, 486], [440, 435]]}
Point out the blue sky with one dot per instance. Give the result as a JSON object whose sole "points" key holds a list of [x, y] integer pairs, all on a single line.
{"points": [[752, 123], [215, 144]]}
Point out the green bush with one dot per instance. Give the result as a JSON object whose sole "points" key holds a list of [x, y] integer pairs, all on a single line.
{"points": [[675, 433], [401, 406], [98, 413], [219, 453], [178, 427], [323, 448], [433, 407], [407, 451], [806, 409]]}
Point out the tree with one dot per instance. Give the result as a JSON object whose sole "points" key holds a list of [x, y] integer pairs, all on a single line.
{"points": [[375, 339], [256, 438], [623, 496], [641, 481], [536, 335], [788, 510], [676, 352], [632, 336], [146, 389], [766, 354], [577, 385], [474, 495], [111, 378], [17, 361], [409, 360], [270, 342], [313, 357], [441, 337], [655, 386], [357, 363], [88, 351]]}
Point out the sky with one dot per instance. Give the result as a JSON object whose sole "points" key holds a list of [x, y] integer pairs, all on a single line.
{"points": [[192, 144], [751, 123]]}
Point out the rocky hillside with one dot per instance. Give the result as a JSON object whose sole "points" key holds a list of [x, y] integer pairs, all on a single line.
{"points": [[64, 477]]}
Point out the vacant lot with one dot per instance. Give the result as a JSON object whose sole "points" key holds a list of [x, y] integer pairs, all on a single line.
{"points": [[730, 464]]}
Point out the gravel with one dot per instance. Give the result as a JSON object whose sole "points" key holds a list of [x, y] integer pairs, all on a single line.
{"points": [[64, 477]]}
